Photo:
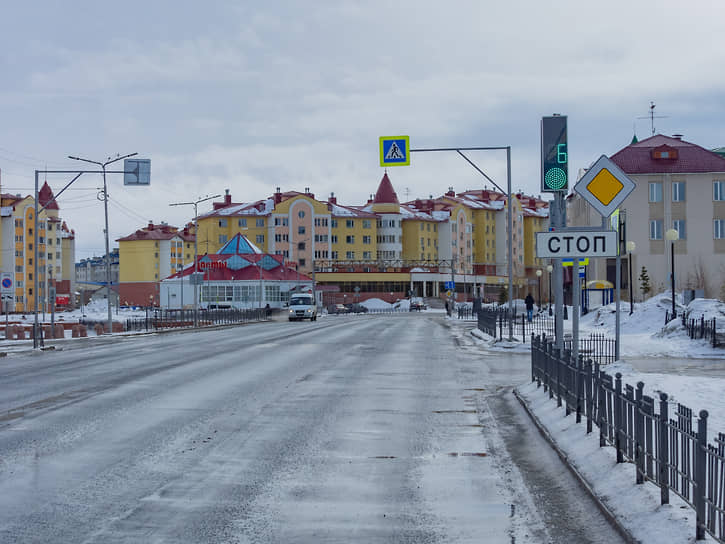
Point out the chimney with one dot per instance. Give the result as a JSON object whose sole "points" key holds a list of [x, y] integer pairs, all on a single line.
{"points": [[450, 192], [333, 198], [227, 198], [151, 226], [277, 196]]}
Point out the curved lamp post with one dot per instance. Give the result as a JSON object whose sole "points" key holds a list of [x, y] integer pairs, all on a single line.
{"points": [[672, 235], [631, 246]]}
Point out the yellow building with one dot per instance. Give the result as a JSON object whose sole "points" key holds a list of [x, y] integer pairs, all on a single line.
{"points": [[148, 256], [17, 227]]}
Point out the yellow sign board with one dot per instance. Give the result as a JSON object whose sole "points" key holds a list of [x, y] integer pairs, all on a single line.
{"points": [[605, 186]]}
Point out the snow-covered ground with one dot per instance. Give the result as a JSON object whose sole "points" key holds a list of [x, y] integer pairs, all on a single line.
{"points": [[643, 336]]}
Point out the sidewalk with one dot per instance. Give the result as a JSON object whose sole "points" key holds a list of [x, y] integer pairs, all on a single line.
{"points": [[635, 509]]}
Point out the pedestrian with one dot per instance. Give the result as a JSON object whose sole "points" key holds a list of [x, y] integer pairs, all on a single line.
{"points": [[529, 300]]}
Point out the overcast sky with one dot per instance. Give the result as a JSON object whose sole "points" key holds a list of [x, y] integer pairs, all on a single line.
{"points": [[250, 96]]}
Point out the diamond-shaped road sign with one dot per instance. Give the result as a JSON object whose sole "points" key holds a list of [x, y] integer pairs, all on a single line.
{"points": [[604, 186]]}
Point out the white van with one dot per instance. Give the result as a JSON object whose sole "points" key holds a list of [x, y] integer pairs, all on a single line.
{"points": [[302, 306]]}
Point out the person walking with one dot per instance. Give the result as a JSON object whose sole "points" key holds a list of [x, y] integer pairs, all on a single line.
{"points": [[529, 300]]}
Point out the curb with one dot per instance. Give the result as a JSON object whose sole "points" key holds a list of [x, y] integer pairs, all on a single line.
{"points": [[611, 518]]}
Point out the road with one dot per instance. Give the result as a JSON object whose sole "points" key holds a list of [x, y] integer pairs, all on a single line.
{"points": [[351, 429]]}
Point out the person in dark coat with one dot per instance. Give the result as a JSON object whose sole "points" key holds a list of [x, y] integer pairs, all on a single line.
{"points": [[529, 300]]}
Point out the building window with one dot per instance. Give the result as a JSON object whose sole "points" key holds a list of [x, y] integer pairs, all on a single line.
{"points": [[350, 239], [333, 223], [260, 238], [333, 238], [223, 223], [367, 224], [718, 190], [655, 192], [719, 229], [367, 255], [655, 229], [350, 255], [222, 238], [422, 226], [678, 191], [300, 229], [301, 246], [260, 222], [334, 255], [242, 222], [679, 226], [349, 223], [301, 214], [302, 262], [367, 239]]}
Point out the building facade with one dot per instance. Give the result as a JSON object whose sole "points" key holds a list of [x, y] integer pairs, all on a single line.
{"points": [[680, 186]]}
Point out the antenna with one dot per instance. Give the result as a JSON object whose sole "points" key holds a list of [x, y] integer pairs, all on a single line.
{"points": [[407, 193], [651, 116]]}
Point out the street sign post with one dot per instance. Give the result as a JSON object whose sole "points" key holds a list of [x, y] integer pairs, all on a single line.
{"points": [[394, 150], [572, 244], [604, 186]]}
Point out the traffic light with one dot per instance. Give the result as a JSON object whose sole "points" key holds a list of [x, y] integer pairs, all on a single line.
{"points": [[554, 154]]}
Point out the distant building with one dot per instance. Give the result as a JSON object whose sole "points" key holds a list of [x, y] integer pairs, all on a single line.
{"points": [[680, 186], [56, 251], [90, 277], [148, 256]]}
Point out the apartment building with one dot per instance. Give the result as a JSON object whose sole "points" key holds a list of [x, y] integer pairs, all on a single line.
{"points": [[148, 256], [56, 251], [680, 186]]}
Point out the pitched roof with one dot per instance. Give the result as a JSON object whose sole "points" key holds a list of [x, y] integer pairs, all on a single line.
{"points": [[239, 245], [45, 195], [385, 193], [157, 232], [637, 158]]}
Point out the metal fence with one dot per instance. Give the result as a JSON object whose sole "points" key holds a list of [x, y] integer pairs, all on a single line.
{"points": [[698, 328], [670, 451], [166, 319], [495, 322]]}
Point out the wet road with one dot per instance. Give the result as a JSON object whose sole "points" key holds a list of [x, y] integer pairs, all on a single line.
{"points": [[350, 429]]}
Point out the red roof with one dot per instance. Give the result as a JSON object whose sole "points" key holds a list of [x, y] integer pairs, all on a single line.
{"points": [[386, 193], [638, 158], [158, 232], [45, 195]]}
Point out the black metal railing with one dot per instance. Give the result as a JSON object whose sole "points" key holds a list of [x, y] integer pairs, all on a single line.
{"points": [[701, 328], [671, 452], [167, 319]]}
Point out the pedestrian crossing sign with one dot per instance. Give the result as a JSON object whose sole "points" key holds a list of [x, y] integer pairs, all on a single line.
{"points": [[394, 150]]}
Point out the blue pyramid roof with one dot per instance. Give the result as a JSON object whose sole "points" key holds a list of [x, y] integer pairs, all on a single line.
{"points": [[239, 245]]}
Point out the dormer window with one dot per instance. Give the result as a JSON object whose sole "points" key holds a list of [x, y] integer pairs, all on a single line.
{"points": [[664, 152]]}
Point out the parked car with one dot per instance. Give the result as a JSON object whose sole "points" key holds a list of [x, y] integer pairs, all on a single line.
{"points": [[357, 308], [417, 306], [337, 309]]}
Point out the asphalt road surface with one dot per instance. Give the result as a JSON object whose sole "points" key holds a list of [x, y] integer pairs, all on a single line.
{"points": [[361, 428]]}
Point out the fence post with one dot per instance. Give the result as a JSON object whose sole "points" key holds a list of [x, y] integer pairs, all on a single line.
{"points": [[588, 393], [663, 452], [500, 327], [601, 405], [639, 434], [618, 405], [578, 378], [700, 472], [534, 355], [556, 361]]}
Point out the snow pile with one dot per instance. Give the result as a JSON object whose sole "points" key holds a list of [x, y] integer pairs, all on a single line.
{"points": [[376, 304]]}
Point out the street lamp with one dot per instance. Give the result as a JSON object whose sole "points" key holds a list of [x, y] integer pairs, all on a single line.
{"points": [[672, 235], [549, 269], [105, 209], [631, 246], [196, 250], [539, 272]]}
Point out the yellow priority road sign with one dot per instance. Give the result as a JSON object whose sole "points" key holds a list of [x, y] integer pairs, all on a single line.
{"points": [[604, 186]]}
